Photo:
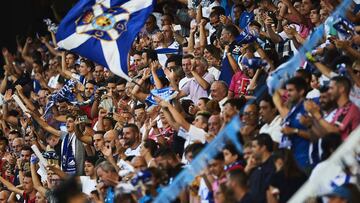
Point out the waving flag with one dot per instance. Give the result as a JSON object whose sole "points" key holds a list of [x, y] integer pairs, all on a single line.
{"points": [[104, 30]]}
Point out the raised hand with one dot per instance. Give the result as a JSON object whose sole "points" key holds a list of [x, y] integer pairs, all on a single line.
{"points": [[106, 151], [29, 40], [8, 95]]}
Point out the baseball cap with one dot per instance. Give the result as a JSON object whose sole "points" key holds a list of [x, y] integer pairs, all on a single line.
{"points": [[340, 191]]}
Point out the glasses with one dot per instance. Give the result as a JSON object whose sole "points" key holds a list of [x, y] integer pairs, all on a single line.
{"points": [[251, 113]]}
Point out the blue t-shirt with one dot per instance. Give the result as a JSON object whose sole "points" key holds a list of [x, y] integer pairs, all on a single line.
{"points": [[246, 18], [299, 145]]}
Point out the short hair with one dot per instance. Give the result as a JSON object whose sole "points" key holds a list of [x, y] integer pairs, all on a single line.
{"points": [[88, 63], [188, 56], [299, 83], [205, 99], [239, 176], [26, 148], [217, 10], [304, 74], [232, 149], [121, 81], [91, 159], [151, 54], [71, 116], [324, 89], [151, 145], [255, 23], [92, 82], [219, 157], [173, 58], [205, 114], [343, 81], [214, 51], [101, 132], [140, 106], [106, 166], [151, 16], [179, 72], [194, 148], [232, 29], [15, 132], [202, 60], [165, 152], [238, 103], [133, 126], [223, 83], [264, 139], [268, 99]]}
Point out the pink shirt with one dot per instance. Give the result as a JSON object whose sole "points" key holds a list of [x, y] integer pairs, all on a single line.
{"points": [[239, 83], [347, 118]]}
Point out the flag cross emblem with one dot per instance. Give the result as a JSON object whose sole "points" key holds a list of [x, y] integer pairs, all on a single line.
{"points": [[103, 23]]}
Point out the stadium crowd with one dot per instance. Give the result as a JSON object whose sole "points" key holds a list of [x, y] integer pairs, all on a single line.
{"points": [[105, 139]]}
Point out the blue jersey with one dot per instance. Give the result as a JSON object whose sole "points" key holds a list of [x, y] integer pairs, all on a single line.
{"points": [[299, 144]]}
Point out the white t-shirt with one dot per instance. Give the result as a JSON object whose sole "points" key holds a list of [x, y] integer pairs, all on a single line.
{"points": [[273, 129], [327, 187], [314, 93], [88, 184], [216, 72], [133, 152], [53, 81]]}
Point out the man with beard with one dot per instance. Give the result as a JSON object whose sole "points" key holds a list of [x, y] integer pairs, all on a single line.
{"points": [[99, 75], [131, 136], [166, 159], [346, 117], [86, 98], [295, 134], [327, 107]]}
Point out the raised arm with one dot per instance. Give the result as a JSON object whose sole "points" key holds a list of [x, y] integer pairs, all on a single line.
{"points": [[203, 39], [35, 178], [175, 114], [233, 64], [26, 101], [136, 90], [83, 137], [24, 52], [11, 187], [65, 73], [50, 48], [283, 110], [44, 125], [154, 67]]}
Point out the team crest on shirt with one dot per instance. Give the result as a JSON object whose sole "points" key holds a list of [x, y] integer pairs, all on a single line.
{"points": [[103, 23]]}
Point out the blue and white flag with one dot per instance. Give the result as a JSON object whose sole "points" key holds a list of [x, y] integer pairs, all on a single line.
{"points": [[166, 93], [104, 30]]}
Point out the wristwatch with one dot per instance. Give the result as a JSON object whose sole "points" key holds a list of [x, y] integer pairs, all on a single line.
{"points": [[296, 131]]}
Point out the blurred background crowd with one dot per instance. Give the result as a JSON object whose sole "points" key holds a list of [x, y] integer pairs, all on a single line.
{"points": [[105, 139]]}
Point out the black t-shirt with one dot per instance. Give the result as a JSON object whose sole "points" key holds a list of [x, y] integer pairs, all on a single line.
{"points": [[247, 199], [259, 180], [287, 185]]}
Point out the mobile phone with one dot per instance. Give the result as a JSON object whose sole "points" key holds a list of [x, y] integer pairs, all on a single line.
{"points": [[83, 118]]}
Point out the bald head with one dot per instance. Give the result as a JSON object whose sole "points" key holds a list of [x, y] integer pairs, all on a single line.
{"points": [[18, 144], [4, 195], [110, 137], [139, 163]]}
